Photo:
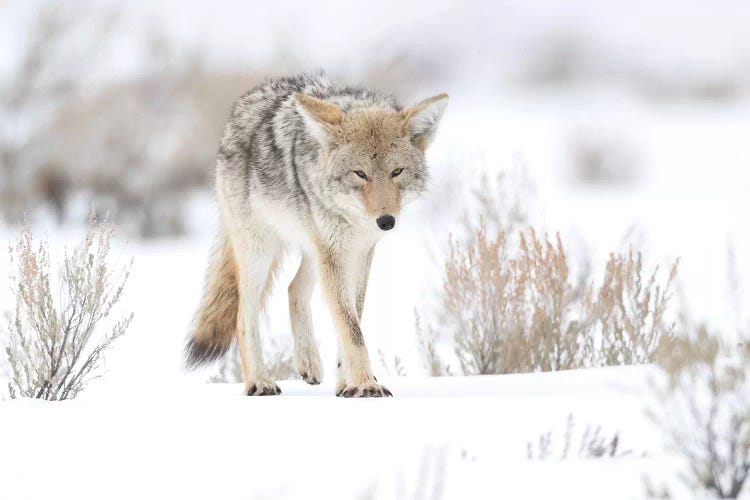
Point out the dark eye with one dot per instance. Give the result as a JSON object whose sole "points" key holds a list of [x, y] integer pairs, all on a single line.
{"points": [[361, 174], [397, 172]]}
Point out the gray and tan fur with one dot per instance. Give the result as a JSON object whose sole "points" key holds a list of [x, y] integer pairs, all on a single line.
{"points": [[306, 165]]}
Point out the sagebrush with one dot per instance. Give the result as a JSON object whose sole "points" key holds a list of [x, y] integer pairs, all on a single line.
{"points": [[279, 362], [57, 337], [593, 442], [512, 310], [703, 407]]}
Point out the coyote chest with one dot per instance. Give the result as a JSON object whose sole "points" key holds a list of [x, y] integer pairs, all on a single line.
{"points": [[286, 223]]}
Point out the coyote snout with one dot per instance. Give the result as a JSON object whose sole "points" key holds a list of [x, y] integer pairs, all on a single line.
{"points": [[386, 222], [325, 162]]}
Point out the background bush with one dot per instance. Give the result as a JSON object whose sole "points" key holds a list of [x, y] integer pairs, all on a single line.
{"points": [[514, 311]]}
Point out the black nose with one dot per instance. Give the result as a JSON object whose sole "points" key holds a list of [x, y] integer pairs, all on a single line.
{"points": [[386, 222]]}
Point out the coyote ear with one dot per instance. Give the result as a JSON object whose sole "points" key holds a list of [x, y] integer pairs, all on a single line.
{"points": [[321, 118], [420, 120]]}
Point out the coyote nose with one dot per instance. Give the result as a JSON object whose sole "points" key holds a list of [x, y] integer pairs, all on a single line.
{"points": [[386, 222]]}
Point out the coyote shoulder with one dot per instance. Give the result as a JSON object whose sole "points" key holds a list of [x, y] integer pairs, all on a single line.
{"points": [[304, 164]]}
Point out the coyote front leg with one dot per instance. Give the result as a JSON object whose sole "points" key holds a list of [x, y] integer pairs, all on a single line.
{"points": [[364, 275], [306, 353], [340, 279]]}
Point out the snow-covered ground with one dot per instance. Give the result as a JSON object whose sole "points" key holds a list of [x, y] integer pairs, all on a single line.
{"points": [[147, 429], [466, 437]]}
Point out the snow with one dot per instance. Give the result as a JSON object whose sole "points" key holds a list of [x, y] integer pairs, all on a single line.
{"points": [[193, 440], [147, 429]]}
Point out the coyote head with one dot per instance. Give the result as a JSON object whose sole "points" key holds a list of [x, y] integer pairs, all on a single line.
{"points": [[373, 159]]}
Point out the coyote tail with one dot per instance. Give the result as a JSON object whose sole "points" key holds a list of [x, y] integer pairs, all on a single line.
{"points": [[215, 324]]}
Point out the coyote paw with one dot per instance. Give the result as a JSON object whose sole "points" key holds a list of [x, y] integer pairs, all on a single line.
{"points": [[308, 366], [340, 379], [263, 387], [364, 391]]}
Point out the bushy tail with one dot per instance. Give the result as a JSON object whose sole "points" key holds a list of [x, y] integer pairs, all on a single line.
{"points": [[215, 323]]}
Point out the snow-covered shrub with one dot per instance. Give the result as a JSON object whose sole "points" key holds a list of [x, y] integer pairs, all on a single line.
{"points": [[427, 339], [230, 369], [56, 341], [426, 483], [279, 363], [603, 157], [394, 368], [503, 201], [47, 74], [591, 443], [511, 311], [174, 113], [61, 134], [703, 407]]}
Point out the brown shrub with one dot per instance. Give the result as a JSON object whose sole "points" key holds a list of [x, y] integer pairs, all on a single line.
{"points": [[521, 313], [631, 311]]}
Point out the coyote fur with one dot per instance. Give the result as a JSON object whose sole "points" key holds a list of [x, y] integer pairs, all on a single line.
{"points": [[310, 166]]}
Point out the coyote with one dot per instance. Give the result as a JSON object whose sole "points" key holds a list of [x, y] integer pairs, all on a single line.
{"points": [[309, 166]]}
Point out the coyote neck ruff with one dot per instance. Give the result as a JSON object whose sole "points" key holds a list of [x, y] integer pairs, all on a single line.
{"points": [[304, 164]]}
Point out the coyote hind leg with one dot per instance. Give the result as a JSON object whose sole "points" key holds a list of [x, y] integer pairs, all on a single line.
{"points": [[255, 255]]}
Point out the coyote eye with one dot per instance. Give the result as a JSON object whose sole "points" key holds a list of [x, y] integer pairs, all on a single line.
{"points": [[361, 174], [397, 172]]}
